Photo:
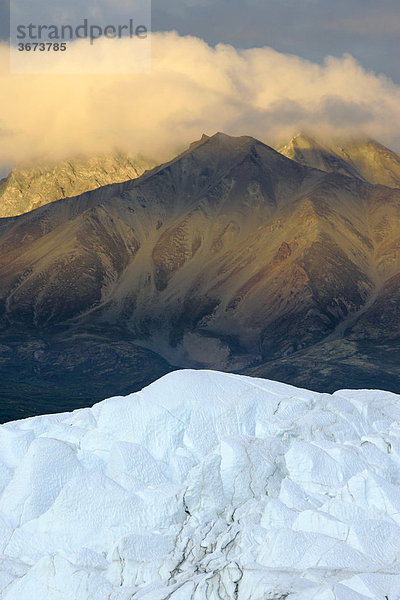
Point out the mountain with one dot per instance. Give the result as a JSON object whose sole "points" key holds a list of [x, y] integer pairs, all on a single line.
{"points": [[363, 158], [231, 256], [27, 188], [204, 485], [307, 151], [375, 162]]}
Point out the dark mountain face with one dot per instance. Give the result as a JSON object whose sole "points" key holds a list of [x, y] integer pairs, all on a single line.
{"points": [[230, 257]]}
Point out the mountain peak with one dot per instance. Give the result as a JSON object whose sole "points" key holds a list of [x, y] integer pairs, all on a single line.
{"points": [[309, 152], [221, 145], [361, 157], [221, 138], [225, 138], [223, 142], [300, 141], [221, 135]]}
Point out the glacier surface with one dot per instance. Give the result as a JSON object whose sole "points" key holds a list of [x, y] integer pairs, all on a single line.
{"points": [[204, 486]]}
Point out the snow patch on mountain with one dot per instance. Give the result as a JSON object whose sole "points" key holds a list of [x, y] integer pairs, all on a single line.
{"points": [[204, 486]]}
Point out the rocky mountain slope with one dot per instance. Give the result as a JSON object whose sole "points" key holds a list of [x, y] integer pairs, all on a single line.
{"points": [[204, 485], [28, 188], [363, 158], [230, 256]]}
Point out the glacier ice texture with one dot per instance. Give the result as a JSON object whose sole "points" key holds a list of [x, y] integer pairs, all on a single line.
{"points": [[205, 486]]}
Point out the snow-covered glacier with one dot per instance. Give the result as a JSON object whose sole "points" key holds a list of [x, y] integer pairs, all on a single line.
{"points": [[205, 486]]}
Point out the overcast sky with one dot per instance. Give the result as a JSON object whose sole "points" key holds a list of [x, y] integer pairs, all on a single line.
{"points": [[367, 29]]}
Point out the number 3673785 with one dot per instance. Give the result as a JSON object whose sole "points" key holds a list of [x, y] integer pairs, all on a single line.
{"points": [[43, 47]]}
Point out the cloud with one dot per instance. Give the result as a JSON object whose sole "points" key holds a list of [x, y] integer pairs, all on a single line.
{"points": [[312, 29], [193, 88]]}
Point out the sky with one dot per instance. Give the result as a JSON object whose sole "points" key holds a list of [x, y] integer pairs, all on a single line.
{"points": [[266, 68], [369, 30]]}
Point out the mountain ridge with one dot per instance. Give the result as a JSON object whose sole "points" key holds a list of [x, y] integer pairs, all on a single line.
{"points": [[230, 256], [364, 158], [27, 188]]}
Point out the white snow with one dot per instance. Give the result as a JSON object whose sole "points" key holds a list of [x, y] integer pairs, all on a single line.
{"points": [[205, 486]]}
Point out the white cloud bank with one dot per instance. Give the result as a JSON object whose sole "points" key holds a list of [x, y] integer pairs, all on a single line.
{"points": [[193, 88]]}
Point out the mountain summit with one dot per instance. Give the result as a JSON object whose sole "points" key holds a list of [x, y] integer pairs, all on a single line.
{"points": [[364, 158], [307, 151]]}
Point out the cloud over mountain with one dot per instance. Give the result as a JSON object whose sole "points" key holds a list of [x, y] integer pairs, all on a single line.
{"points": [[192, 88]]}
